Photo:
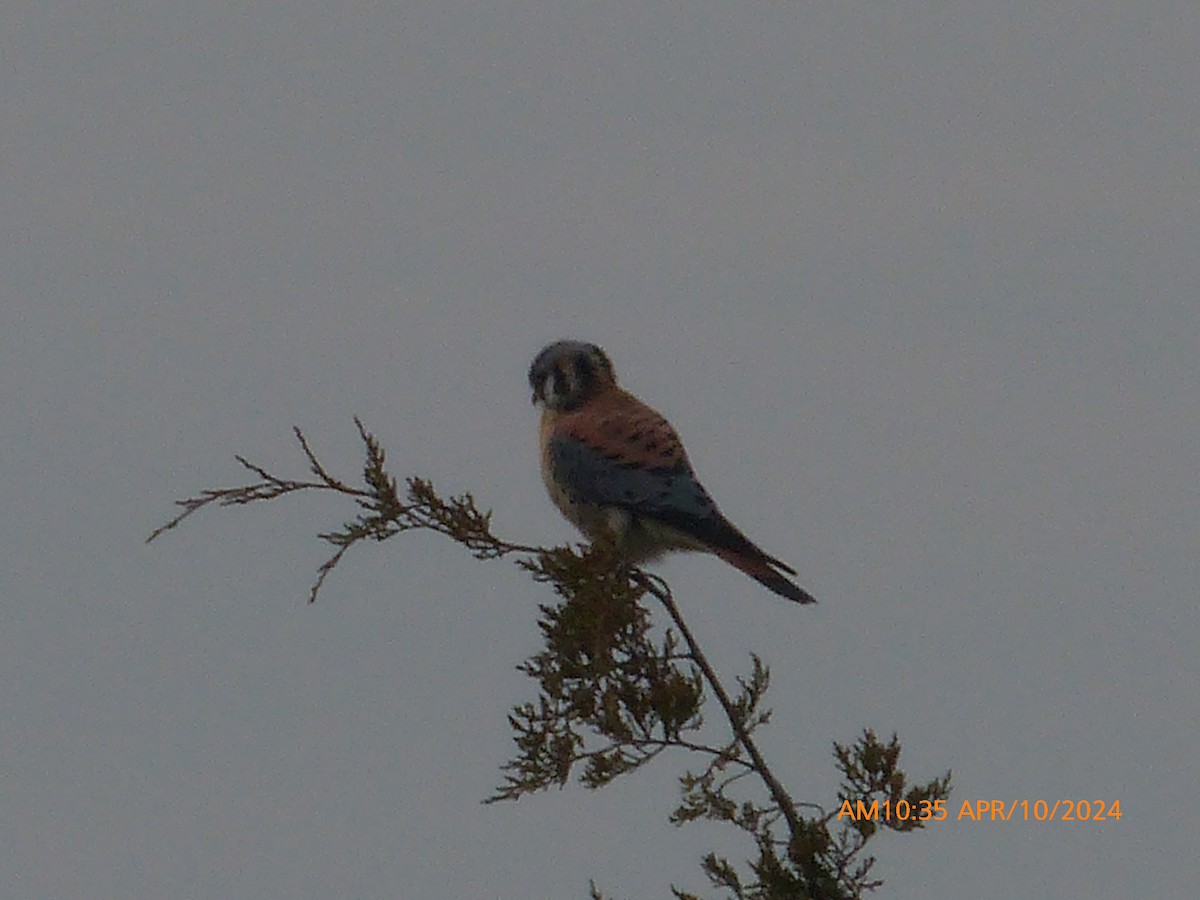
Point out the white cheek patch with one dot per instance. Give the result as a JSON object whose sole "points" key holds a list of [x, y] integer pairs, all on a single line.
{"points": [[561, 388]]}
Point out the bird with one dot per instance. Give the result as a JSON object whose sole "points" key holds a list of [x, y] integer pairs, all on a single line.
{"points": [[617, 470]]}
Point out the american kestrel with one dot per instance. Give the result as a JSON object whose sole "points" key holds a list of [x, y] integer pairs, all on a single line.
{"points": [[618, 471]]}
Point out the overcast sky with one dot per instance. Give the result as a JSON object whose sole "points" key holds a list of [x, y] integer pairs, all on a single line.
{"points": [[919, 285]]}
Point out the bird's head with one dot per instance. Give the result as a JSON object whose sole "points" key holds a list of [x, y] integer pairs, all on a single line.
{"points": [[566, 373]]}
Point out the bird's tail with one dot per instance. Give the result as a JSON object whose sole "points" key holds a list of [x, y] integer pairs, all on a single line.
{"points": [[765, 570]]}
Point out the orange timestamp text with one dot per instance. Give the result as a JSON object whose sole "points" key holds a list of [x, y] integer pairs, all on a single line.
{"points": [[982, 811]]}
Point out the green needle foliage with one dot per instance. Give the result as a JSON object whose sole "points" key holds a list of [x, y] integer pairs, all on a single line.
{"points": [[614, 693]]}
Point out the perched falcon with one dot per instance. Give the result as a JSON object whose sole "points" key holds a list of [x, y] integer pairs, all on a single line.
{"points": [[618, 472]]}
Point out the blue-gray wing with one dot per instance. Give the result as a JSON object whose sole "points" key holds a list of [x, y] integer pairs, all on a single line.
{"points": [[621, 475], [671, 493]]}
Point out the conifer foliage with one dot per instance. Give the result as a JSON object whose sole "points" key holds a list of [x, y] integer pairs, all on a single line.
{"points": [[615, 691]]}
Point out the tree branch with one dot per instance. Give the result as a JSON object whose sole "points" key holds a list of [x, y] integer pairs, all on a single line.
{"points": [[611, 699]]}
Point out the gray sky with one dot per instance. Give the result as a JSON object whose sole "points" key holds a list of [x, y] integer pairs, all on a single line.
{"points": [[918, 285]]}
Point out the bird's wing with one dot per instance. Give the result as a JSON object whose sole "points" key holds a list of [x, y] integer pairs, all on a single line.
{"points": [[622, 453], [594, 476], [672, 496], [625, 454]]}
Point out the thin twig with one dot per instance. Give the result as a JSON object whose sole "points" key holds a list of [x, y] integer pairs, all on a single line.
{"points": [[783, 800]]}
